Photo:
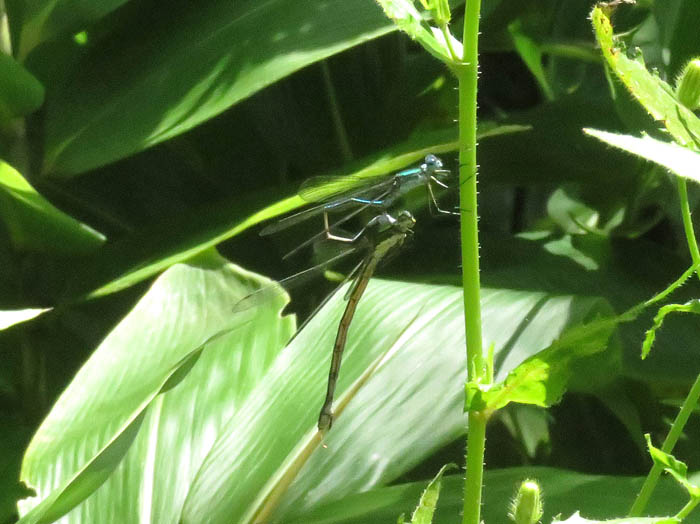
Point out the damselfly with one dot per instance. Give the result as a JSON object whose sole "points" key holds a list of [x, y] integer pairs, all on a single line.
{"points": [[338, 194], [382, 236]]}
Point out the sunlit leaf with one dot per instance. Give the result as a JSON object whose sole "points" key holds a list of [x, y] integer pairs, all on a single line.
{"points": [[194, 61], [680, 160], [404, 363], [10, 318], [654, 94], [35, 224]]}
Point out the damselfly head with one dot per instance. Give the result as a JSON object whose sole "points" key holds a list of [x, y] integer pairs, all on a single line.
{"points": [[432, 163], [434, 167]]}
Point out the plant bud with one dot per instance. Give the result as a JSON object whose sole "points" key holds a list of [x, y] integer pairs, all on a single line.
{"points": [[688, 85], [526, 507]]}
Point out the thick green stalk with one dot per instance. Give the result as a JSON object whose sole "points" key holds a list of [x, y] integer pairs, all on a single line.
{"points": [[467, 75]]}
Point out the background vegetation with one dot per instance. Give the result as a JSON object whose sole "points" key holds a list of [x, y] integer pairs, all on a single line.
{"points": [[141, 148]]}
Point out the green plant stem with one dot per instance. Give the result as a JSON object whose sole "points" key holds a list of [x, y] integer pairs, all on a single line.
{"points": [[476, 444], [690, 506], [687, 221], [676, 430], [691, 400], [467, 75]]}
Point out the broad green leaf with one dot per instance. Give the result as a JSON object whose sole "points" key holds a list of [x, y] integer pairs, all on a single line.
{"points": [[195, 61], [390, 373], [404, 363], [150, 251], [20, 92], [42, 20], [35, 224], [681, 161], [676, 468], [102, 414], [654, 94], [690, 307], [428, 501], [10, 318], [542, 379], [578, 519], [596, 496]]}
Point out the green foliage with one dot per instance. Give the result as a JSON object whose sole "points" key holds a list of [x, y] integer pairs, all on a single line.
{"points": [[423, 514], [677, 469], [689, 307], [578, 519], [20, 92], [542, 379], [136, 141]]}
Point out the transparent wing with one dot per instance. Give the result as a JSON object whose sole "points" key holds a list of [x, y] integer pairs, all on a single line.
{"points": [[292, 220], [325, 188], [275, 289], [340, 202]]}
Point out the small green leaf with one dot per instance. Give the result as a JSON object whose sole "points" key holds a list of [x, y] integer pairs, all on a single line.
{"points": [[425, 510], [692, 306], [20, 92], [531, 53], [407, 18], [35, 224], [542, 379], [677, 469]]}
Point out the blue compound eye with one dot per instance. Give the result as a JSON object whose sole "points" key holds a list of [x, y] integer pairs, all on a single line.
{"points": [[433, 161]]}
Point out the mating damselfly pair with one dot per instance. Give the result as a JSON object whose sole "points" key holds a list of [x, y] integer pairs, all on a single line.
{"points": [[381, 236]]}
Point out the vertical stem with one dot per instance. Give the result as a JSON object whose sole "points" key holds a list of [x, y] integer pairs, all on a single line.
{"points": [[673, 435], [687, 221], [691, 400], [467, 75]]}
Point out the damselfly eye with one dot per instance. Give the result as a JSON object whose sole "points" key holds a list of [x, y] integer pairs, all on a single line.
{"points": [[433, 161]]}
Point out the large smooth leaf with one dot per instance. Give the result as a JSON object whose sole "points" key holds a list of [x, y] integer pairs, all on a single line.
{"points": [[141, 256], [35, 224], [192, 62], [100, 414], [565, 492], [399, 398]]}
